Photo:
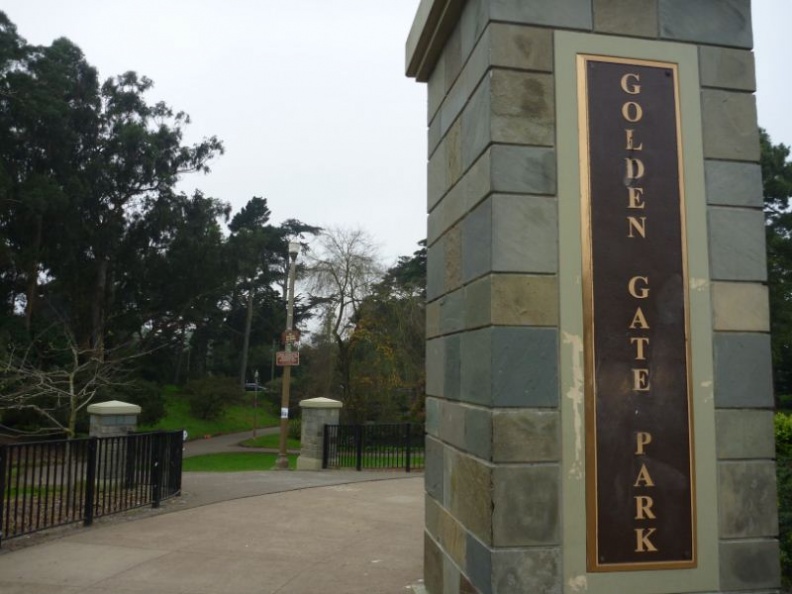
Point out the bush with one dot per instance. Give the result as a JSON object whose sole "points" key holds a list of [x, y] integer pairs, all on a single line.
{"points": [[209, 397], [295, 429], [783, 438]]}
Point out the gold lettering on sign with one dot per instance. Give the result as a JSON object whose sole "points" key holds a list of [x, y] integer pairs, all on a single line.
{"points": [[637, 224], [643, 439], [631, 88], [635, 291], [643, 508], [640, 342], [639, 320], [632, 112], [638, 288], [641, 380], [644, 503], [643, 477], [635, 198], [630, 133], [643, 544], [634, 168]]}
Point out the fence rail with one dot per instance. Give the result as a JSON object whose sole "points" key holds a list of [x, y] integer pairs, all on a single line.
{"points": [[374, 446], [54, 483]]}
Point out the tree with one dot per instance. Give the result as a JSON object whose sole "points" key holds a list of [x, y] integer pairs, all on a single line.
{"points": [[56, 385], [252, 241], [259, 251], [342, 274], [172, 280], [388, 344], [777, 182], [85, 158]]}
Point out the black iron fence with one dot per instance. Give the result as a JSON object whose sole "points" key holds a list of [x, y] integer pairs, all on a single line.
{"points": [[54, 483], [374, 446]]}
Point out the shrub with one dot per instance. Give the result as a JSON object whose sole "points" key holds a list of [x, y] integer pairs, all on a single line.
{"points": [[295, 429], [783, 438], [209, 397]]}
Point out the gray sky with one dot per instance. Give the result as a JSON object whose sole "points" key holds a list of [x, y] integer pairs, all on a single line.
{"points": [[309, 96]]}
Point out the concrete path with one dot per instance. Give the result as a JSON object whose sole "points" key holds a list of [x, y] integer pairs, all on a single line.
{"points": [[224, 443], [270, 532]]}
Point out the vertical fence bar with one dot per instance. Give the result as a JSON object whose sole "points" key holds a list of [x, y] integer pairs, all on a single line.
{"points": [[129, 468], [116, 494], [90, 479], [176, 463], [359, 447], [100, 476], [156, 470], [57, 492], [28, 479], [77, 475], [15, 514], [50, 486], [408, 432], [3, 463]]}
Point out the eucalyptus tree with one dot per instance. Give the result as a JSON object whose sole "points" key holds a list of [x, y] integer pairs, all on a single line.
{"points": [[260, 252], [48, 102], [94, 240], [173, 282]]}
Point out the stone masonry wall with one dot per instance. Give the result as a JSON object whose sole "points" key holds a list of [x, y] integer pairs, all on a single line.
{"points": [[493, 420]]}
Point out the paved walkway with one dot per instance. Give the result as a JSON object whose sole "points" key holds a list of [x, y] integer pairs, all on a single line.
{"points": [[238, 533], [224, 443]]}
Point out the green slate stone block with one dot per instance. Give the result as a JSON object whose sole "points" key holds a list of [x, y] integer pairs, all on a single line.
{"points": [[526, 506], [747, 504], [732, 183], [743, 373], [726, 68], [525, 367], [714, 22], [479, 565], [527, 570], [563, 14], [737, 244], [636, 18], [750, 565]]}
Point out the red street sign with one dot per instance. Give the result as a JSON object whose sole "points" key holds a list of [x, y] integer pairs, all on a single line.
{"points": [[287, 358]]}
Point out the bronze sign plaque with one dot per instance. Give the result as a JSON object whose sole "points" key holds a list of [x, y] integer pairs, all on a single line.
{"points": [[639, 444]]}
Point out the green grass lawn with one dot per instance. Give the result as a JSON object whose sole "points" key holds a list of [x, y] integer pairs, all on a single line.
{"points": [[271, 441], [236, 419], [233, 462]]}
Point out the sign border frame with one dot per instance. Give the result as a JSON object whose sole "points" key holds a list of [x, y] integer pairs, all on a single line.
{"points": [[592, 528]]}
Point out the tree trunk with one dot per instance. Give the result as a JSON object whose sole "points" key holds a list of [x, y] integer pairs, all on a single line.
{"points": [[352, 407], [246, 339], [98, 310], [177, 372], [32, 284]]}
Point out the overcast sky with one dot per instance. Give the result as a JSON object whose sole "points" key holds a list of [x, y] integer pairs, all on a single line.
{"points": [[309, 96]]}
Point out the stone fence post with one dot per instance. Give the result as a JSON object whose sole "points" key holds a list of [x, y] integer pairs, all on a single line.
{"points": [[113, 418], [316, 413]]}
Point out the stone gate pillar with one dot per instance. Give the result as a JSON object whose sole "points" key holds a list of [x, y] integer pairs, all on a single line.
{"points": [[600, 400], [316, 413]]}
